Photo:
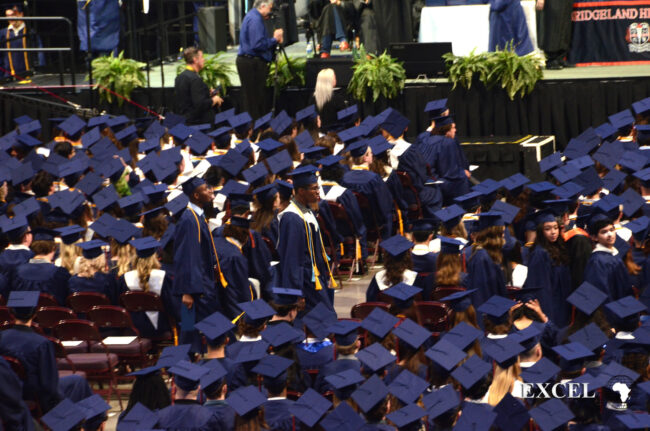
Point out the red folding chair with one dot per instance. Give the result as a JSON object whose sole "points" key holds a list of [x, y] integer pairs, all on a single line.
{"points": [[61, 356], [441, 292], [82, 302], [432, 315], [346, 229], [137, 301], [99, 367], [46, 300], [415, 206], [49, 316], [18, 368], [362, 310], [3, 301], [117, 318]]}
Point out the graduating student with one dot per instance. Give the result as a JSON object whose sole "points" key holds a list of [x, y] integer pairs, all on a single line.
{"points": [[266, 203], [397, 264], [14, 413], [316, 350], [195, 255], [274, 372], [214, 387], [449, 265], [39, 273], [347, 344], [148, 277], [484, 270], [20, 237], [91, 275], [34, 351], [361, 180], [605, 269], [187, 412], [331, 175], [548, 269], [303, 262], [248, 403], [422, 232], [234, 265]]}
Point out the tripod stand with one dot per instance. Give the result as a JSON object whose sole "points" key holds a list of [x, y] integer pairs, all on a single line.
{"points": [[276, 88]]}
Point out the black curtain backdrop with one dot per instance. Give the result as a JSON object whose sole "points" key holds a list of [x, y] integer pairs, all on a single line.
{"points": [[561, 108]]}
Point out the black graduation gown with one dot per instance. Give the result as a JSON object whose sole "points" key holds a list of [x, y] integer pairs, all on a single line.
{"points": [[43, 277], [297, 236], [259, 261], [14, 414], [608, 273], [485, 276], [10, 259], [192, 97], [367, 27], [554, 28], [36, 353], [187, 415]]}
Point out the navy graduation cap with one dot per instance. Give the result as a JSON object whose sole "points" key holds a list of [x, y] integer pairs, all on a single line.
{"points": [[445, 354], [245, 399], [281, 123], [375, 357], [471, 371], [379, 322], [370, 393], [214, 326]]}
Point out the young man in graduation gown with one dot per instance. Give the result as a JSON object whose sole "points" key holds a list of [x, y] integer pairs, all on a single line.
{"points": [[20, 237], [274, 371], [303, 262], [195, 262], [34, 351], [605, 269], [194, 100], [14, 413], [17, 64], [39, 273]]}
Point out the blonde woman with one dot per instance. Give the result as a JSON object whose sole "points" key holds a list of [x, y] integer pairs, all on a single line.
{"points": [[328, 102], [91, 272], [68, 250], [148, 277], [507, 374]]}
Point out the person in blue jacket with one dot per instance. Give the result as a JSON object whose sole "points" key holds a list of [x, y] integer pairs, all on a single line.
{"points": [[508, 26], [39, 273]]}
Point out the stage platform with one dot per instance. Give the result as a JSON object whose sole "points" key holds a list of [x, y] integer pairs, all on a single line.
{"points": [[563, 104]]}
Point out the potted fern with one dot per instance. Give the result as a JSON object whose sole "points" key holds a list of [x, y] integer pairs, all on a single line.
{"points": [[466, 70], [216, 72], [291, 72], [118, 74], [379, 75]]}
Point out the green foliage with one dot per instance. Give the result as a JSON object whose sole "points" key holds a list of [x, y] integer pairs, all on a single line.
{"points": [[285, 68], [216, 72], [118, 74], [382, 74], [505, 68], [462, 69]]}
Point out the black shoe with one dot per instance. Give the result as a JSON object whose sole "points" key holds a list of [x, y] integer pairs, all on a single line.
{"points": [[565, 63], [553, 65]]}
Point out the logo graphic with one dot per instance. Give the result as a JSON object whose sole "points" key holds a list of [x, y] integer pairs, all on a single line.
{"points": [[638, 36], [621, 385]]}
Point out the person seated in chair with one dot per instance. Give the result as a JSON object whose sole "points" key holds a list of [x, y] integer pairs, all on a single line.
{"points": [[333, 19]]}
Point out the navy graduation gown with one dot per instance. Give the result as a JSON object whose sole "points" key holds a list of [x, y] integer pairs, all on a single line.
{"points": [[295, 267], [424, 262], [5, 287], [412, 162], [11, 258], [259, 262], [224, 414], [235, 377], [397, 191], [375, 190], [43, 277], [608, 273], [187, 415], [314, 356], [555, 283], [351, 205], [234, 267], [485, 276], [277, 416], [335, 367], [448, 162], [36, 353], [100, 282], [18, 62], [141, 320], [508, 24], [14, 414]]}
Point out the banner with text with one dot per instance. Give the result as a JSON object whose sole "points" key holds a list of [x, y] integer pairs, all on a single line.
{"points": [[610, 32]]}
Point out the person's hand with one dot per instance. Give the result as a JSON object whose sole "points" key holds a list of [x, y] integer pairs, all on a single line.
{"points": [[534, 305], [468, 173], [278, 35], [216, 100], [188, 301], [539, 5]]}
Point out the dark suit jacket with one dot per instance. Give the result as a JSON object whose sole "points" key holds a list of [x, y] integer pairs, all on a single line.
{"points": [[193, 98]]}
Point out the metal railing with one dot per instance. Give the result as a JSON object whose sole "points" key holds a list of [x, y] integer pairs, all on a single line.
{"points": [[60, 50]]}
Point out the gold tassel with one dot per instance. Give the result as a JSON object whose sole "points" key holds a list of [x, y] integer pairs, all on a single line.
{"points": [[237, 318], [342, 250], [401, 223], [334, 285], [358, 245], [318, 285], [224, 283]]}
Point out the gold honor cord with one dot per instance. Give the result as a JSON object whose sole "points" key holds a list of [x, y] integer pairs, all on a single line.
{"points": [[224, 283]]}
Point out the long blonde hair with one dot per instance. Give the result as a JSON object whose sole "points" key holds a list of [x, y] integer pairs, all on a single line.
{"points": [[125, 255], [503, 382], [324, 87], [144, 266], [87, 268], [69, 254]]}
